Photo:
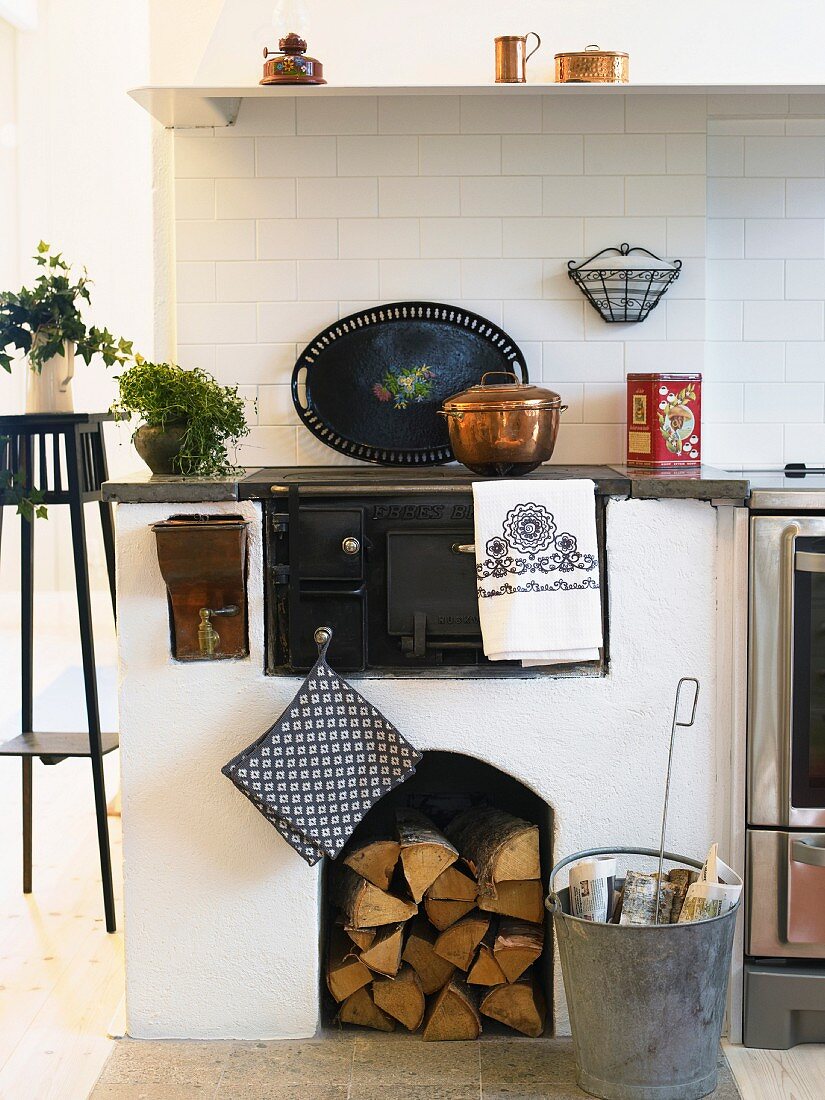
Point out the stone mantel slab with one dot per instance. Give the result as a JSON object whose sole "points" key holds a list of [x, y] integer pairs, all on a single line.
{"points": [[705, 483]]}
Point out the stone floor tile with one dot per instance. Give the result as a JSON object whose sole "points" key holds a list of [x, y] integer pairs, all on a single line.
{"points": [[142, 1091], [300, 1065], [432, 1090], [545, 1069], [522, 1065], [405, 1062], [350, 1066], [166, 1062], [264, 1087]]}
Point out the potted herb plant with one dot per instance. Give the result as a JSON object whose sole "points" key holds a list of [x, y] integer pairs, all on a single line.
{"points": [[189, 419], [44, 322]]}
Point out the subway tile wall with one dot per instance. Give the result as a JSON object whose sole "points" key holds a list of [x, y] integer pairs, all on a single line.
{"points": [[309, 209], [765, 352]]}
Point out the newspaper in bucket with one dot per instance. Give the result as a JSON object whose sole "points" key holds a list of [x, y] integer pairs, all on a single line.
{"points": [[591, 888]]}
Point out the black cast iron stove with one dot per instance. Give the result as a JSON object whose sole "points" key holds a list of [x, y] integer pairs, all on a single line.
{"points": [[384, 557]]}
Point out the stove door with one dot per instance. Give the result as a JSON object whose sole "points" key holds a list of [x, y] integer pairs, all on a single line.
{"points": [[786, 682], [431, 590]]}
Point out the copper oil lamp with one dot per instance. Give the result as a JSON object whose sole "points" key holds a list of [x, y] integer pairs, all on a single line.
{"points": [[291, 65]]}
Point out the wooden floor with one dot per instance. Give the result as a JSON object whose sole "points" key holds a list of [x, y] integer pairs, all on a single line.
{"points": [[797, 1074], [61, 975]]}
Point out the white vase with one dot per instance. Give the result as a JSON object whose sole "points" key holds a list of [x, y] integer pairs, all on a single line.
{"points": [[49, 389]]}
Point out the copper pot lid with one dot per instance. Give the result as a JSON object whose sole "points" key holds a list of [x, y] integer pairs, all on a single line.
{"points": [[513, 395], [592, 51]]}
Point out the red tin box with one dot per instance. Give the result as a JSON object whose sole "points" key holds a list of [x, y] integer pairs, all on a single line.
{"points": [[664, 420]]}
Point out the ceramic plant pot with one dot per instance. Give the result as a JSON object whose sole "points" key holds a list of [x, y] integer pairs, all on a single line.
{"points": [[159, 447], [49, 389]]}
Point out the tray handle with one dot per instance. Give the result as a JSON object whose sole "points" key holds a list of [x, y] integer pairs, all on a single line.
{"points": [[299, 386]]}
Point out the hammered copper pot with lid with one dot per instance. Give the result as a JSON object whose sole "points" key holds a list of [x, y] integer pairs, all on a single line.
{"points": [[503, 430]]}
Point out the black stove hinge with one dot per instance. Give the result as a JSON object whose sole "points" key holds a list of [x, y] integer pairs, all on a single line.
{"points": [[279, 527]]}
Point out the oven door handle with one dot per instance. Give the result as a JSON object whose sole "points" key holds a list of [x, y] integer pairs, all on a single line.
{"points": [[806, 562], [803, 851], [788, 561]]}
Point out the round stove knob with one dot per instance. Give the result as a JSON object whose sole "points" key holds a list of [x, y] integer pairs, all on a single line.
{"points": [[350, 545]]}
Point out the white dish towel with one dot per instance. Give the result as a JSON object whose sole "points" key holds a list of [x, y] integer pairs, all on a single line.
{"points": [[538, 570]]}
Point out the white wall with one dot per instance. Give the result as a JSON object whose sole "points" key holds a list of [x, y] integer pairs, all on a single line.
{"points": [[211, 889], [432, 42], [307, 211], [10, 386], [765, 361], [83, 183]]}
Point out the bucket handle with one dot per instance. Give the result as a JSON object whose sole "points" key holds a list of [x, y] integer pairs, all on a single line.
{"points": [[553, 902]]}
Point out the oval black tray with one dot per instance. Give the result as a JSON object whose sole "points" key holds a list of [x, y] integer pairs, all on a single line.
{"points": [[375, 380]]}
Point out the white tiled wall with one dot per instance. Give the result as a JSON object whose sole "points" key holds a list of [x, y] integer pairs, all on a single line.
{"points": [[307, 210], [765, 359]]}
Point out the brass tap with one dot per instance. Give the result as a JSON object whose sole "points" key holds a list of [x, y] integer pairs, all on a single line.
{"points": [[208, 637]]}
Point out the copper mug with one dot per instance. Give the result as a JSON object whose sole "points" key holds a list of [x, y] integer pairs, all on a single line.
{"points": [[512, 57]]}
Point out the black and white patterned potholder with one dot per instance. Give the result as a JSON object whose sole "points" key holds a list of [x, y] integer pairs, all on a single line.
{"points": [[327, 760]]}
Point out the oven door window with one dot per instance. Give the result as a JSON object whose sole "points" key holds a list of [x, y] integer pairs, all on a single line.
{"points": [[808, 745]]}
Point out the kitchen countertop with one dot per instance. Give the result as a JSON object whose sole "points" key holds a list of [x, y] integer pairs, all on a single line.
{"points": [[704, 483]]}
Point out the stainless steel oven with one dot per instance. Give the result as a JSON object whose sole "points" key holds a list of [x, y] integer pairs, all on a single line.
{"points": [[785, 844]]}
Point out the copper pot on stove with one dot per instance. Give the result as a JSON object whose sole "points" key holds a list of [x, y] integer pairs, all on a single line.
{"points": [[503, 430]]}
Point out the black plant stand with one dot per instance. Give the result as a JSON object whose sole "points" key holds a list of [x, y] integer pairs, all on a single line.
{"points": [[64, 455]]}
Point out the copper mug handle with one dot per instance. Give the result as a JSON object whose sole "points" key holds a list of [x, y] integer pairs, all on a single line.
{"points": [[527, 56]]}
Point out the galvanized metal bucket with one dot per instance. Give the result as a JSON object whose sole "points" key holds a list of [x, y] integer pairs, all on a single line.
{"points": [[646, 1002]]}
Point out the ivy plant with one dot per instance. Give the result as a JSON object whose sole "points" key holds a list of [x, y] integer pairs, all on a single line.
{"points": [[164, 394], [37, 320], [13, 491]]}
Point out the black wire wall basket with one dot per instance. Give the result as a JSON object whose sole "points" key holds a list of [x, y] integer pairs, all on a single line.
{"points": [[624, 290]]}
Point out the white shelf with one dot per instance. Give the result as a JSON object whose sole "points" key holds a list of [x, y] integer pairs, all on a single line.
{"points": [[190, 108]]}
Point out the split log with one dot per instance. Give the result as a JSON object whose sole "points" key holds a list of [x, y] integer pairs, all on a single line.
{"points": [[425, 852], [361, 937], [384, 954], [457, 944], [433, 971], [345, 971], [524, 900], [497, 846], [365, 906], [517, 946], [452, 1015], [401, 997], [453, 885], [681, 878], [486, 970], [375, 861], [444, 913], [362, 1010], [520, 1006]]}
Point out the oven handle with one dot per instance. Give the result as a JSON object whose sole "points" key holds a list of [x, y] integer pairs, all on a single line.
{"points": [[463, 548], [806, 562], [802, 851], [789, 537]]}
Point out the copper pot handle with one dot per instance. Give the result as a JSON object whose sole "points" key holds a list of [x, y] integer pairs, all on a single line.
{"points": [[456, 414], [506, 373]]}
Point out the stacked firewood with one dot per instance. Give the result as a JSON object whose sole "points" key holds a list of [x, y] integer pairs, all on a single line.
{"points": [[441, 929]]}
